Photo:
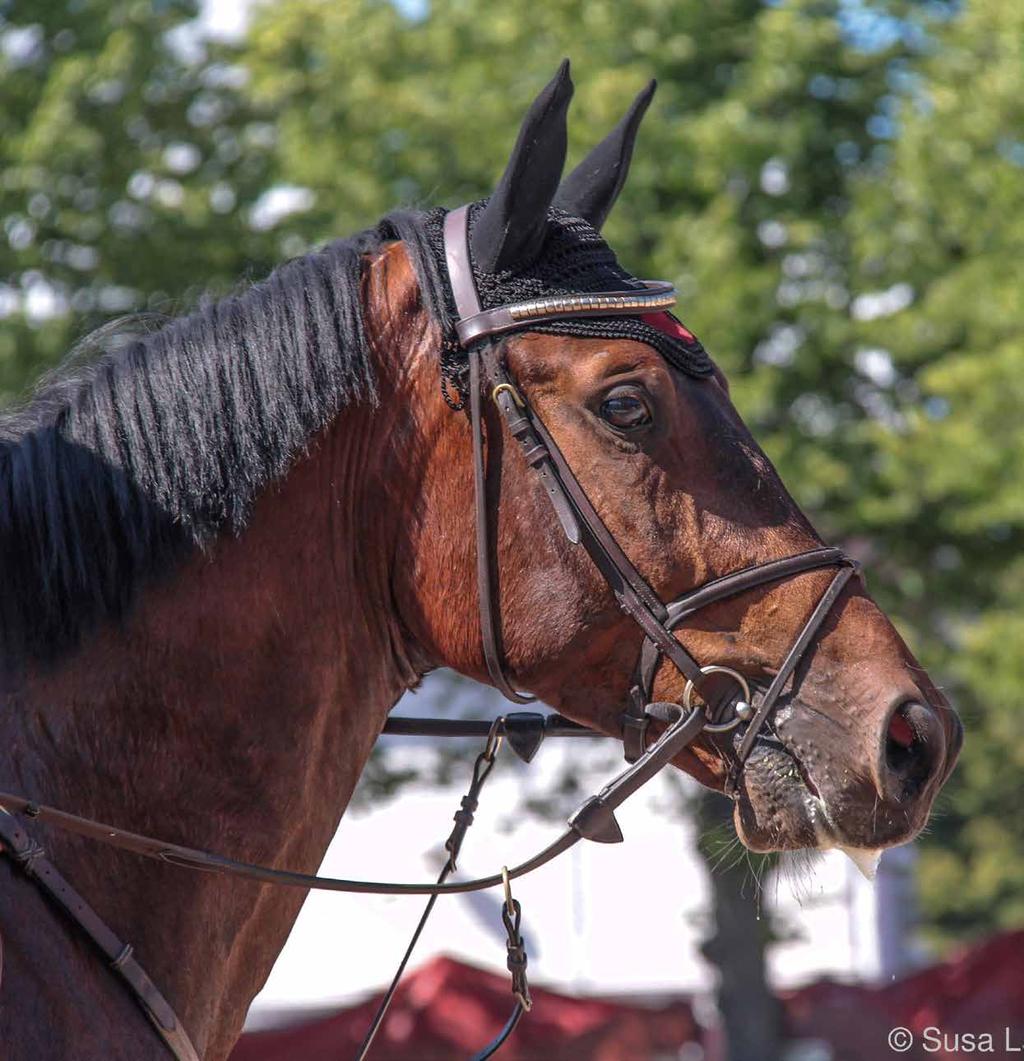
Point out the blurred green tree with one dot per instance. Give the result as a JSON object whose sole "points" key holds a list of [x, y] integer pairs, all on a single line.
{"points": [[128, 166], [938, 385]]}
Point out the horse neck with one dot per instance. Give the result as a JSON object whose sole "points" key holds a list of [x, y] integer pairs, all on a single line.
{"points": [[233, 711]]}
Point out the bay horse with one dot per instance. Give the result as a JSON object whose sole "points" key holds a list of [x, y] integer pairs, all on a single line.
{"points": [[231, 544]]}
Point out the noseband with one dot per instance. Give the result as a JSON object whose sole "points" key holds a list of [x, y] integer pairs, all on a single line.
{"points": [[595, 818], [581, 524]]}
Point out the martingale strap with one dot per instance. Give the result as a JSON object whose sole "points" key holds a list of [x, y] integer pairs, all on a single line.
{"points": [[511, 912], [593, 820], [32, 860]]}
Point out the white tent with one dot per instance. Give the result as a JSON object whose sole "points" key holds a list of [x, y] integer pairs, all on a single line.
{"points": [[581, 913]]}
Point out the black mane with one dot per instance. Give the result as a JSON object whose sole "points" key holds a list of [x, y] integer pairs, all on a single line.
{"points": [[116, 470]]}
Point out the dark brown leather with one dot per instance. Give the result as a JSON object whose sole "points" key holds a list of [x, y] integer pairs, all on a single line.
{"points": [[516, 722], [460, 268], [31, 858], [490, 630], [467, 303], [750, 577], [535, 452], [464, 816], [793, 657], [681, 730], [575, 512], [682, 608]]}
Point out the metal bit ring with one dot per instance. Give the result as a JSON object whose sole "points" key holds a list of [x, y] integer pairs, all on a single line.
{"points": [[742, 708]]}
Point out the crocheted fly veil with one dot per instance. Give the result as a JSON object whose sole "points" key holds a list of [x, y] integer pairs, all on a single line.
{"points": [[534, 238]]}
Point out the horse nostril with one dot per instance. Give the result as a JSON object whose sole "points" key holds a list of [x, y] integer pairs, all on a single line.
{"points": [[913, 748], [900, 737]]}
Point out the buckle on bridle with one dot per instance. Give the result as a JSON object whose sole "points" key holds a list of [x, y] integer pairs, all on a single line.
{"points": [[506, 386]]}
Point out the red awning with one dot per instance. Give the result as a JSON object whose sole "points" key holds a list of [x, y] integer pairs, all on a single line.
{"points": [[979, 991], [446, 1009]]}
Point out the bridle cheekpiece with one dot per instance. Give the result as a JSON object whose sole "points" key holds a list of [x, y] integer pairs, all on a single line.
{"points": [[477, 330]]}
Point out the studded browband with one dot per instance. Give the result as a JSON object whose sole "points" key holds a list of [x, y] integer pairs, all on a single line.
{"points": [[475, 323]]}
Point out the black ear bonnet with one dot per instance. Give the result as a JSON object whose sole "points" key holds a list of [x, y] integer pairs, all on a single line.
{"points": [[537, 235]]}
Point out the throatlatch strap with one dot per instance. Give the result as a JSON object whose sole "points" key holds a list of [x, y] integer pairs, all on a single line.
{"points": [[490, 632]]}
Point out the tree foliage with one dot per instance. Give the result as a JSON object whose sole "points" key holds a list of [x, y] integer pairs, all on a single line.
{"points": [[942, 216], [126, 172], [835, 187]]}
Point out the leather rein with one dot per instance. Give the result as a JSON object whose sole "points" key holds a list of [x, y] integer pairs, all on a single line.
{"points": [[595, 818]]}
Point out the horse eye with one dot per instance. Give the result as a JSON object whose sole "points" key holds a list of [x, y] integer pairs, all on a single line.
{"points": [[625, 409]]}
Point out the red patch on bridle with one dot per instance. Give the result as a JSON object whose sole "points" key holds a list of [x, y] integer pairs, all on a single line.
{"points": [[666, 323]]}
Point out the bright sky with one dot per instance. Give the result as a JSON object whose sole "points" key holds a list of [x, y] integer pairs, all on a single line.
{"points": [[227, 18], [224, 18]]}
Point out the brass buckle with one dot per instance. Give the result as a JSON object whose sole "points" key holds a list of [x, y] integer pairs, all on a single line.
{"points": [[516, 396]]}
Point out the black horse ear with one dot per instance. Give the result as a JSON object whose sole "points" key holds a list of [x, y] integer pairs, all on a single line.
{"points": [[511, 228], [593, 186]]}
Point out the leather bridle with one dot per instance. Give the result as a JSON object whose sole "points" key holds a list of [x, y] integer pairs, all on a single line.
{"points": [[582, 525], [479, 331]]}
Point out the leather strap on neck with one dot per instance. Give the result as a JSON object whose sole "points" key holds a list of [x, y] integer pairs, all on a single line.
{"points": [[34, 863]]}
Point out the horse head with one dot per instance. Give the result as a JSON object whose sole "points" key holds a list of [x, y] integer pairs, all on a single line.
{"points": [[857, 746]]}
